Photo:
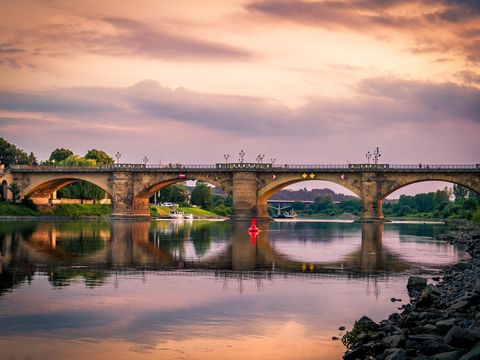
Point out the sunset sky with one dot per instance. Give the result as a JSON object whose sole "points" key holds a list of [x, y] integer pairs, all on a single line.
{"points": [[191, 80]]}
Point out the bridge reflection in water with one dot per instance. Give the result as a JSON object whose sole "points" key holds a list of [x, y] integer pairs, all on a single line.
{"points": [[93, 250]]}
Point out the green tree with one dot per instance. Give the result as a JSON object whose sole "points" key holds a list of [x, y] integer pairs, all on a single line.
{"points": [[176, 193], [60, 154], [100, 156], [460, 192], [10, 154], [322, 203], [75, 160], [202, 195], [32, 159], [15, 190]]}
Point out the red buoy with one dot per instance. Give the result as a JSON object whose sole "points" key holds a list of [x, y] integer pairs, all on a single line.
{"points": [[254, 227]]}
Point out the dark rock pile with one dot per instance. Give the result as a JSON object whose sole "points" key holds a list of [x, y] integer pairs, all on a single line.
{"points": [[441, 322]]}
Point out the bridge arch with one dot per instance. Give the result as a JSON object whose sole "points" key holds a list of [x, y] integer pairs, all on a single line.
{"points": [[44, 185], [283, 181], [157, 183], [150, 183], [470, 182]]}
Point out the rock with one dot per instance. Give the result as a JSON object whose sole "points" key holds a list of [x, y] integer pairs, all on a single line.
{"points": [[397, 354], [367, 323], [433, 347], [473, 354], [394, 341], [358, 353], [460, 337], [424, 337], [428, 296], [415, 285], [462, 265], [476, 287], [459, 305], [451, 355], [436, 278], [444, 325], [335, 338], [341, 328]]}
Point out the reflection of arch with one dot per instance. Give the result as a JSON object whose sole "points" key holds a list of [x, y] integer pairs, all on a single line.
{"points": [[44, 186], [4, 190], [471, 183]]}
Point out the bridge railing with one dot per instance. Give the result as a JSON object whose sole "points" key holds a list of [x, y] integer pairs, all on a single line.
{"points": [[247, 167]]}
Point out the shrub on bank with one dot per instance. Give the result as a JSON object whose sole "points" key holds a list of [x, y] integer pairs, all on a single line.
{"points": [[476, 217], [9, 209], [76, 210]]}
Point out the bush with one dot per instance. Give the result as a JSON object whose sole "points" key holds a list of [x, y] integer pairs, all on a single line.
{"points": [[27, 202], [83, 210], [476, 217]]}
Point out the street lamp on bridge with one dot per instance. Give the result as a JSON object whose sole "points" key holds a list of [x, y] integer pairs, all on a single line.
{"points": [[118, 156], [226, 156], [260, 158], [242, 156], [145, 160], [368, 155], [376, 155], [272, 160]]}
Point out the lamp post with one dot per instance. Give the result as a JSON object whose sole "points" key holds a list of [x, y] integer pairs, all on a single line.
{"points": [[226, 156], [376, 155], [260, 158], [368, 155], [145, 161], [242, 156], [272, 160], [118, 156]]}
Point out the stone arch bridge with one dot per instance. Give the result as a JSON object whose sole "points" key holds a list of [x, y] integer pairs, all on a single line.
{"points": [[251, 185]]}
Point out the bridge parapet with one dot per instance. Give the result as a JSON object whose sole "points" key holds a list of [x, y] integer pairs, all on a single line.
{"points": [[259, 167]]}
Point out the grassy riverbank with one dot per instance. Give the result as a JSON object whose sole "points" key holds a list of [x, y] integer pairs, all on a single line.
{"points": [[68, 210], [9, 209], [163, 211]]}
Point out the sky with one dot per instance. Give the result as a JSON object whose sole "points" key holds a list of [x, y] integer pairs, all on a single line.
{"points": [[188, 81]]}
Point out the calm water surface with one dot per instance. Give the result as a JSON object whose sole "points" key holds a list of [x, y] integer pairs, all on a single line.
{"points": [[202, 290]]}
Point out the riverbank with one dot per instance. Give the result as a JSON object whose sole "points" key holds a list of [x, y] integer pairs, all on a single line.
{"points": [[9, 211], [442, 320]]}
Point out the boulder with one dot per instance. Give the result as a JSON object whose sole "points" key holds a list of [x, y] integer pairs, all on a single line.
{"points": [[368, 324], [415, 285], [451, 355], [396, 354], [476, 287], [473, 354], [460, 337], [444, 325], [428, 296], [394, 341]]}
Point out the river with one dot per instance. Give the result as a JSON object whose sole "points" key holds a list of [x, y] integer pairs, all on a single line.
{"points": [[202, 289]]}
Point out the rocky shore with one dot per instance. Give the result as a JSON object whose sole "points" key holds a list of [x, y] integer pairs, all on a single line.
{"points": [[441, 322]]}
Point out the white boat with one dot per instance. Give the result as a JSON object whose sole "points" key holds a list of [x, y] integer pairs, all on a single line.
{"points": [[175, 214], [189, 216]]}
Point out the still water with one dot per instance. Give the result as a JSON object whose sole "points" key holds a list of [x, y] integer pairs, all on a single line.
{"points": [[202, 290]]}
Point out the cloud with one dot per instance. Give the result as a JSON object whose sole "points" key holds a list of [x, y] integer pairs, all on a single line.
{"points": [[119, 36], [385, 101], [469, 77], [445, 100], [378, 17]]}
